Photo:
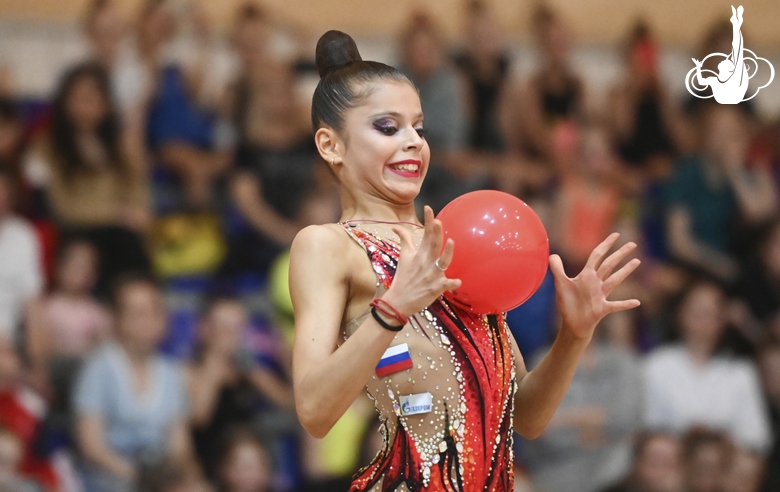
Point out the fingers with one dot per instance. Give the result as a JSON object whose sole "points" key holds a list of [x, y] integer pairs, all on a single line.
{"points": [[601, 250], [619, 276], [614, 260], [407, 243], [446, 256], [615, 306], [556, 266], [433, 237], [452, 284]]}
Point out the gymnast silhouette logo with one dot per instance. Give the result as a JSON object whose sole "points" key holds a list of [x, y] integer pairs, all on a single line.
{"points": [[730, 84]]}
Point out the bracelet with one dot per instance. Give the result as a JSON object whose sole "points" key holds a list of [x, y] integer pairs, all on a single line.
{"points": [[385, 307], [383, 323]]}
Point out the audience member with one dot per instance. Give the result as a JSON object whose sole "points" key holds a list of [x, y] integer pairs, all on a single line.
{"points": [[21, 272], [227, 386], [642, 116], [745, 473], [92, 174], [131, 403], [587, 444], [657, 465], [63, 327], [707, 457], [11, 148], [710, 190], [554, 94], [442, 95], [690, 383], [245, 465], [11, 452], [171, 476], [22, 412], [485, 63], [769, 363]]}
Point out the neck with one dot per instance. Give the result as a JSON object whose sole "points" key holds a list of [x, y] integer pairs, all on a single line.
{"points": [[701, 353], [375, 208], [136, 354]]}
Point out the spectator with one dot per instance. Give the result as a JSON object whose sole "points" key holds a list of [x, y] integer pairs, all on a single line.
{"points": [[130, 403], [96, 184], [553, 95], [451, 173], [745, 473], [245, 465], [710, 190], [11, 146], [769, 362], [485, 64], [708, 456], [277, 165], [587, 444], [171, 476], [63, 327], [11, 450], [22, 412], [689, 383], [588, 200], [227, 386], [21, 275], [643, 117], [657, 465]]}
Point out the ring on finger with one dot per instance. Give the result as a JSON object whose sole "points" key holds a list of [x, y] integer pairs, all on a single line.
{"points": [[438, 265]]}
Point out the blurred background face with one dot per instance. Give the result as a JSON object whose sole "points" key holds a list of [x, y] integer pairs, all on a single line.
{"points": [[251, 40], [658, 466], [224, 326], [726, 134], [423, 53], [706, 468], [10, 364], [78, 269], [246, 469], [10, 135], [769, 364], [85, 104], [141, 320], [10, 454], [702, 318], [106, 32], [157, 25], [554, 42], [745, 473]]}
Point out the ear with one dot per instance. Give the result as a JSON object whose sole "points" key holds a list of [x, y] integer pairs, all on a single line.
{"points": [[330, 146]]}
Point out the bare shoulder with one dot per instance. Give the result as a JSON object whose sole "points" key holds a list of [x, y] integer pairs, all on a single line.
{"points": [[321, 249]]}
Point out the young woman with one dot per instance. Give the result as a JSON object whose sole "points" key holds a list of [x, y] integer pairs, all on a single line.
{"points": [[453, 385]]}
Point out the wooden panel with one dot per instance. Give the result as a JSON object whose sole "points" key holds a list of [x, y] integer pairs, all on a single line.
{"points": [[677, 22]]}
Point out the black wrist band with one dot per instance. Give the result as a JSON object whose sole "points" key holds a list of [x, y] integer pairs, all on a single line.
{"points": [[384, 323]]}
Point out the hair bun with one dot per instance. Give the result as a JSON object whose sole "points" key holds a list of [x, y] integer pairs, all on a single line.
{"points": [[335, 49]]}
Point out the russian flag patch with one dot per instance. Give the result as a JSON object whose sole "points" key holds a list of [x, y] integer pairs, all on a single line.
{"points": [[396, 358]]}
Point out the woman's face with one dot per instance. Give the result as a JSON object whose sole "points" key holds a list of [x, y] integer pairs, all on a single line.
{"points": [[225, 326], [385, 154], [658, 467], [702, 316], [141, 319], [78, 270], [86, 104], [246, 470]]}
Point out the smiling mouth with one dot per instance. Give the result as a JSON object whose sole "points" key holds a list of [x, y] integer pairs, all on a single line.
{"points": [[407, 168]]}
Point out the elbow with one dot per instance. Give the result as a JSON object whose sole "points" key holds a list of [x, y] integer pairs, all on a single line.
{"points": [[530, 432], [313, 421]]}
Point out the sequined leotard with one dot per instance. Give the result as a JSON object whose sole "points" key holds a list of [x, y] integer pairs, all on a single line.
{"points": [[465, 363]]}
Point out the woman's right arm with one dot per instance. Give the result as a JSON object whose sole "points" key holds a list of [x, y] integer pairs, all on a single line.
{"points": [[327, 380]]}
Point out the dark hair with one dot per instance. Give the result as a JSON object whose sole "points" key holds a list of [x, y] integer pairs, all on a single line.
{"points": [[699, 437], [344, 79], [8, 110], [162, 476], [240, 435], [126, 280], [63, 131]]}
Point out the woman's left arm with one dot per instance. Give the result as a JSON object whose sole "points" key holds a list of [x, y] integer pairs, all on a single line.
{"points": [[582, 303]]}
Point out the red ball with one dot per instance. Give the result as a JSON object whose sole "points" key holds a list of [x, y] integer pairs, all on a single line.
{"points": [[501, 250]]}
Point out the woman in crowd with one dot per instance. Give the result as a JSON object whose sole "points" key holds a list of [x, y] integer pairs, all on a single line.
{"points": [[447, 423], [94, 174], [130, 402]]}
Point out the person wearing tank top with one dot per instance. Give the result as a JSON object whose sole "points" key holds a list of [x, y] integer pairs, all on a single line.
{"points": [[450, 386]]}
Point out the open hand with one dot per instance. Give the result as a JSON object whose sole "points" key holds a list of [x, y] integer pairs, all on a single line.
{"points": [[418, 281], [582, 300]]}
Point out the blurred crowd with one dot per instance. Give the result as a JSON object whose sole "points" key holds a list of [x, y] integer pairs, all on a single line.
{"points": [[147, 206]]}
